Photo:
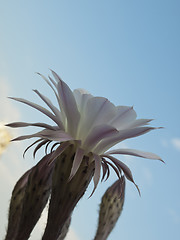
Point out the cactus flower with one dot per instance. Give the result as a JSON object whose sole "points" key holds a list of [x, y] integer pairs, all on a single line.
{"points": [[85, 128], [4, 138], [94, 123]]}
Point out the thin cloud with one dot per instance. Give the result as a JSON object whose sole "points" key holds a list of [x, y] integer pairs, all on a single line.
{"points": [[72, 235], [8, 110], [148, 177], [175, 217], [176, 143], [4, 138], [164, 143]]}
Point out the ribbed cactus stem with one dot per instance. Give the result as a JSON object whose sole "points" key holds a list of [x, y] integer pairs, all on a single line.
{"points": [[110, 209], [65, 193], [36, 196], [29, 198], [16, 205]]}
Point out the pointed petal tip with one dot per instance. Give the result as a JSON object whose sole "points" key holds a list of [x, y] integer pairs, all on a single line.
{"points": [[70, 178], [138, 189], [10, 97], [13, 140], [162, 160], [92, 193], [56, 76]]}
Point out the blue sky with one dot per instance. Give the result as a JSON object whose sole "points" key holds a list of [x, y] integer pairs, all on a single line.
{"points": [[127, 51]]}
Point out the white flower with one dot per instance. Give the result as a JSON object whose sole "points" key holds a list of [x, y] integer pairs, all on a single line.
{"points": [[4, 138], [93, 123]]}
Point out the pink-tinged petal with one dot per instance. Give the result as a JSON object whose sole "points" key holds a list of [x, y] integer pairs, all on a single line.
{"points": [[115, 169], [48, 82], [106, 170], [98, 111], [125, 169], [58, 152], [104, 145], [97, 172], [124, 116], [77, 162], [47, 101], [58, 135], [52, 107], [53, 146], [24, 137], [135, 152], [51, 83], [39, 140], [56, 76], [46, 148], [69, 106], [139, 122], [37, 107], [51, 135], [61, 104], [58, 99], [98, 133], [42, 143], [24, 124]]}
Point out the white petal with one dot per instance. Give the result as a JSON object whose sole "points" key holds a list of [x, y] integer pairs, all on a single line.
{"points": [[124, 116], [104, 145], [134, 152], [81, 98], [98, 111], [69, 106], [139, 122], [97, 134]]}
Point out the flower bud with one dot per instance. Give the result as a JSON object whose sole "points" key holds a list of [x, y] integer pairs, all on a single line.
{"points": [[110, 209]]}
